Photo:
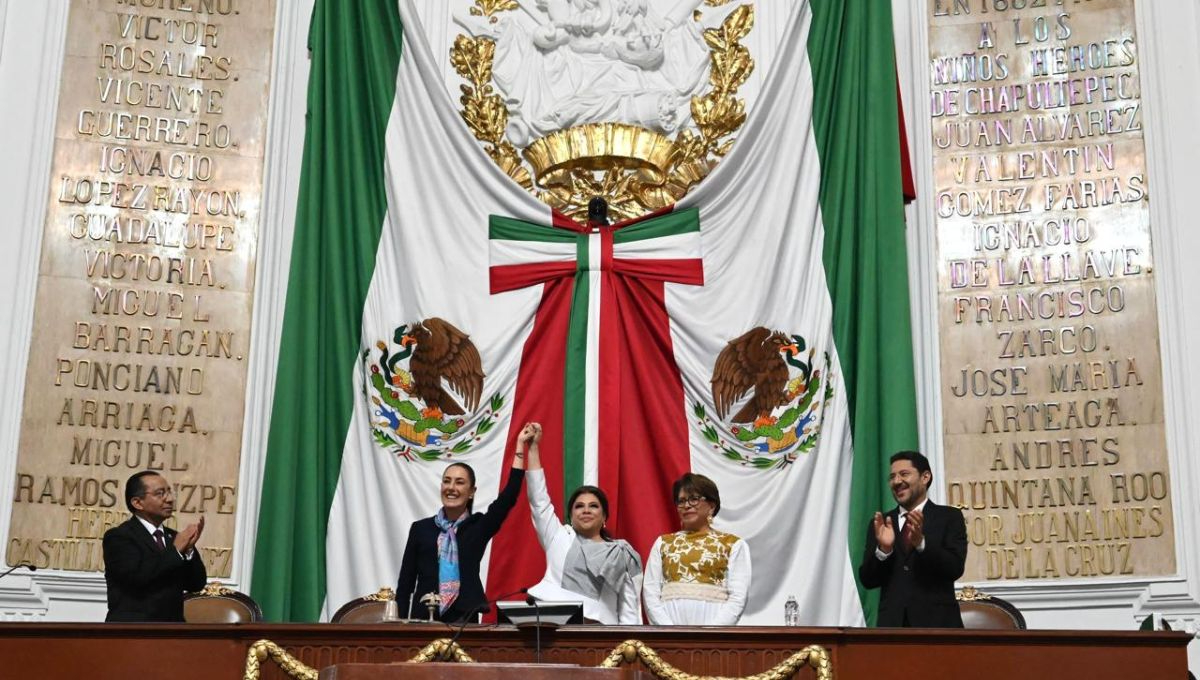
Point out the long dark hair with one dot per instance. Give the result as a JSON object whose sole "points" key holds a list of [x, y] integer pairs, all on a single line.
{"points": [[600, 496], [470, 475]]}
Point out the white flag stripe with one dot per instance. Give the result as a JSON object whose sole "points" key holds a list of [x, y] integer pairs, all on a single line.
{"points": [[506, 252], [591, 425], [674, 247]]}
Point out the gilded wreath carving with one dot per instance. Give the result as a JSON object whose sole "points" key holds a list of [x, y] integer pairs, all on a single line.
{"points": [[636, 169]]}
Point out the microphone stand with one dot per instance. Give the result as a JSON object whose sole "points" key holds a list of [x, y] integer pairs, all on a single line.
{"points": [[537, 618], [475, 611], [28, 566]]}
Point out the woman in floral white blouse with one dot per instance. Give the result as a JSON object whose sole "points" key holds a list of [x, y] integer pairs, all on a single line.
{"points": [[697, 576]]}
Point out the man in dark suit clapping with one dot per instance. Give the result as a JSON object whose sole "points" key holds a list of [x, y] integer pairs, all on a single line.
{"points": [[147, 566], [915, 552]]}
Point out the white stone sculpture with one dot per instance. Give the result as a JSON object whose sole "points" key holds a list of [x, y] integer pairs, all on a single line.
{"points": [[561, 63]]}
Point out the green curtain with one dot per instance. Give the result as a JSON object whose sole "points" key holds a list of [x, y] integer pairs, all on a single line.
{"points": [[855, 115], [355, 52]]}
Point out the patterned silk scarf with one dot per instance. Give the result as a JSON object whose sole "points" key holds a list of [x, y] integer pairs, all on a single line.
{"points": [[448, 576]]}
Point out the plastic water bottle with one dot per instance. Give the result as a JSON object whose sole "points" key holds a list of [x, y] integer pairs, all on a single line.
{"points": [[791, 612]]}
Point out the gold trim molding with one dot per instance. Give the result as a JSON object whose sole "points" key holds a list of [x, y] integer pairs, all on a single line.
{"points": [[814, 656], [599, 146], [265, 649], [216, 589], [629, 651], [971, 594], [439, 649], [383, 595]]}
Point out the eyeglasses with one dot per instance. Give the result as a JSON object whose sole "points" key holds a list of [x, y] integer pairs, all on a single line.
{"points": [[689, 502], [159, 493]]}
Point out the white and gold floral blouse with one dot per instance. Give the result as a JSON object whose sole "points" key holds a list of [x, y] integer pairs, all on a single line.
{"points": [[696, 565], [697, 579]]}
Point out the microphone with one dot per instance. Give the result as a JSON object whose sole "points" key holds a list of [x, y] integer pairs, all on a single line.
{"points": [[28, 566], [476, 610]]}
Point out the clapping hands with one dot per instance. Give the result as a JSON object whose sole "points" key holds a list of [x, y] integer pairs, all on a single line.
{"points": [[185, 541], [885, 533]]}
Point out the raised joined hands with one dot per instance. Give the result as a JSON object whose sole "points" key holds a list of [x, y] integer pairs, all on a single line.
{"points": [[528, 438]]}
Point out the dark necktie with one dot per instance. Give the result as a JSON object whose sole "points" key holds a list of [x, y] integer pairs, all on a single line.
{"points": [[159, 540]]}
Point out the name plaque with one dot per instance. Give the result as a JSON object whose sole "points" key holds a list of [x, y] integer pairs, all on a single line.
{"points": [[1051, 371], [145, 286]]}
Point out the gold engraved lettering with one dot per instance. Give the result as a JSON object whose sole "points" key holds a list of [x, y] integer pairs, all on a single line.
{"points": [[217, 560], [127, 415], [150, 240], [128, 453], [85, 522]]}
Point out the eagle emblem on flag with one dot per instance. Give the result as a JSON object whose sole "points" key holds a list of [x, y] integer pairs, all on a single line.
{"points": [[770, 372], [425, 388]]}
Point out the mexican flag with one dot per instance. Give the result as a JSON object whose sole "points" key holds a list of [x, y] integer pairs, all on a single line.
{"points": [[757, 332]]}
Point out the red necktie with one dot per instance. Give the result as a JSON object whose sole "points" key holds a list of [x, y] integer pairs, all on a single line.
{"points": [[906, 537], [159, 540]]}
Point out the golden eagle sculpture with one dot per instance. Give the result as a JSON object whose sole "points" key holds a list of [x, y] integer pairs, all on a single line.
{"points": [[753, 361], [440, 351]]}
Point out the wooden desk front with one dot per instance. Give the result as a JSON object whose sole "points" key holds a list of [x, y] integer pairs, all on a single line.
{"points": [[98, 651], [479, 671]]}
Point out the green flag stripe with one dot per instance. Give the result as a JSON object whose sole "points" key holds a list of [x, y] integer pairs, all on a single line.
{"points": [[856, 121], [355, 49], [509, 229], [575, 375], [671, 224]]}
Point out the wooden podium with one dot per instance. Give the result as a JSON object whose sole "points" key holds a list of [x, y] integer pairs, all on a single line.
{"points": [[479, 671]]}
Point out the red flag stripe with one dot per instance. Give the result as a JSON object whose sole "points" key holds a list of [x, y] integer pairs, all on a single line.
{"points": [[688, 272], [506, 277], [652, 450], [517, 561]]}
